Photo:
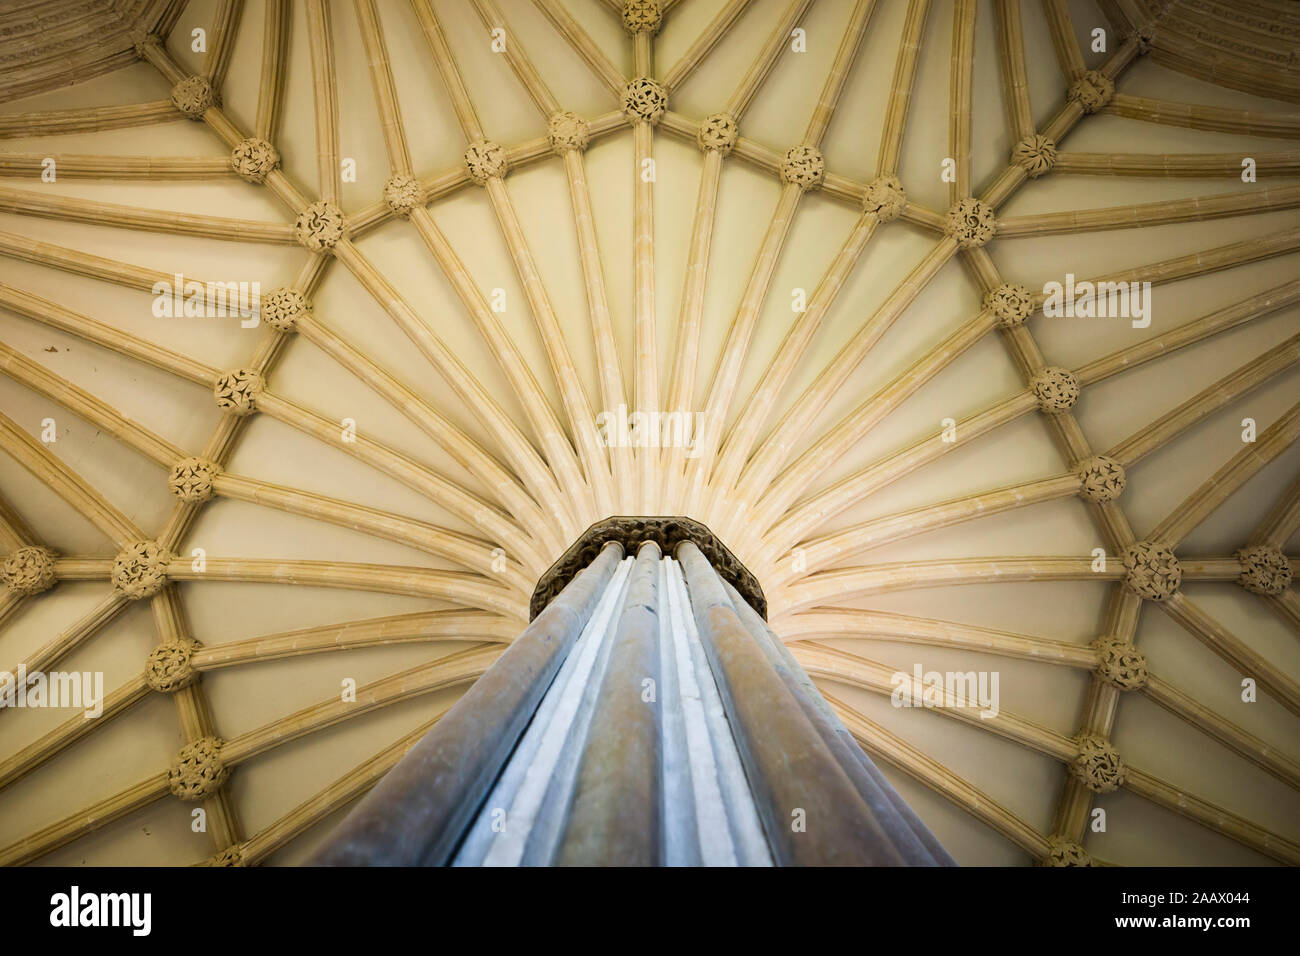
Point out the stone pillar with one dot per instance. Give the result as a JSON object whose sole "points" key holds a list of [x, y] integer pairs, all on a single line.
{"points": [[648, 716]]}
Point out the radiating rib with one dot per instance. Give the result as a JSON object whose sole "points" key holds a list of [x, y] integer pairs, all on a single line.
{"points": [[115, 703], [1237, 653], [809, 514], [730, 455], [98, 815], [459, 587], [845, 55], [325, 99], [437, 42], [1231, 825], [827, 663], [469, 390], [450, 671], [1216, 489], [877, 532], [825, 623], [449, 437], [471, 553], [1196, 209], [1196, 116], [1282, 520], [56, 316], [439, 489], [80, 263], [959, 98], [582, 44], [766, 59], [573, 394], [80, 402], [850, 583], [84, 166], [901, 87], [87, 119], [1254, 749], [1203, 165], [1207, 401], [490, 14], [940, 779], [1203, 262], [537, 408], [85, 627], [726, 373], [275, 55], [776, 446], [37, 458], [616, 496], [421, 627], [28, 202], [681, 392], [613, 389], [1011, 57], [1064, 43], [1287, 607], [15, 533], [225, 26], [581, 420], [645, 367], [381, 79], [827, 448], [1197, 330], [702, 44]]}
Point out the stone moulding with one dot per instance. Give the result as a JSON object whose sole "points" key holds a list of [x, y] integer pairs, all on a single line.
{"points": [[631, 532]]}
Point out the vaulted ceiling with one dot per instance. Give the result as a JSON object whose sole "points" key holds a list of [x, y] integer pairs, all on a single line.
{"points": [[820, 233]]}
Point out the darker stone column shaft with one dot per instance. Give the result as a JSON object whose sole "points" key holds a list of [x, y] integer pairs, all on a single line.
{"points": [[914, 841], [615, 817], [794, 777], [418, 812]]}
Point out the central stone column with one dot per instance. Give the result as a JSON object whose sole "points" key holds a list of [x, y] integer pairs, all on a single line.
{"points": [[648, 716]]}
